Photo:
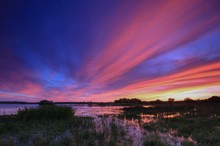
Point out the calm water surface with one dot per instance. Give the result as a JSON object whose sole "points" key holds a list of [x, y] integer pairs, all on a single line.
{"points": [[83, 110], [80, 110], [8, 109]]}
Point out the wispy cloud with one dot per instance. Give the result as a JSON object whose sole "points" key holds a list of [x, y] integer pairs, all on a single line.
{"points": [[102, 51]]}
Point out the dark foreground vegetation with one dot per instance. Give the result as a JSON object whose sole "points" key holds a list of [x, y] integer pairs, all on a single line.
{"points": [[46, 112], [135, 101], [51, 125], [170, 123], [197, 122]]}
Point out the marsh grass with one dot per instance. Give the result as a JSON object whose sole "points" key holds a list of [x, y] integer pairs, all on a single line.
{"points": [[51, 125], [46, 112], [47, 125], [153, 141], [202, 129], [198, 121], [65, 132]]}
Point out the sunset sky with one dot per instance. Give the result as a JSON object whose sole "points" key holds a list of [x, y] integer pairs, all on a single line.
{"points": [[102, 50]]}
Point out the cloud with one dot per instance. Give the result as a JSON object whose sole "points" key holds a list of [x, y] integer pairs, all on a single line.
{"points": [[101, 51]]}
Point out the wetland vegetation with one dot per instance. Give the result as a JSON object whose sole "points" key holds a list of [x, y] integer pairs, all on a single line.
{"points": [[158, 124]]}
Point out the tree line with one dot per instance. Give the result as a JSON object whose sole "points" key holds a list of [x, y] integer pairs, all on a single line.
{"points": [[213, 99]]}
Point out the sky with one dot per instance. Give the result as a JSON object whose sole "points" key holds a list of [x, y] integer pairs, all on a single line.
{"points": [[103, 50]]}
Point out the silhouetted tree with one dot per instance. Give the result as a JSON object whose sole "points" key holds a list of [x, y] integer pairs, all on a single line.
{"points": [[214, 99], [188, 100], [171, 100], [158, 101]]}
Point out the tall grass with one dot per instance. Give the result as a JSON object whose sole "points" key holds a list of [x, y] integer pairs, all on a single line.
{"points": [[153, 141], [48, 112]]}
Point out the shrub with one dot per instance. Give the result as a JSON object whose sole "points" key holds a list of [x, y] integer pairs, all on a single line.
{"points": [[171, 100]]}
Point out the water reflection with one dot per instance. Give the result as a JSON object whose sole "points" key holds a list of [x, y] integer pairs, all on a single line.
{"points": [[80, 110], [170, 116], [148, 118], [133, 129], [95, 111], [8, 109]]}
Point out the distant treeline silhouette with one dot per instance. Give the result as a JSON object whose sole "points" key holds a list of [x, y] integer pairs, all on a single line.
{"points": [[46, 102], [126, 100], [213, 99]]}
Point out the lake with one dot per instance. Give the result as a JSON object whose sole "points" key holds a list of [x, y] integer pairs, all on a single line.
{"points": [[80, 110]]}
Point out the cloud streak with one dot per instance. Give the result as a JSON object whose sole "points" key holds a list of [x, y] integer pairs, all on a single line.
{"points": [[103, 51]]}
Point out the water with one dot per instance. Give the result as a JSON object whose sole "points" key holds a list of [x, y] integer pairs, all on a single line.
{"points": [[85, 110], [80, 110], [95, 111], [8, 109]]}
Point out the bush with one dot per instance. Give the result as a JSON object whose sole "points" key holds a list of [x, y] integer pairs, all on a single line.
{"points": [[48, 112]]}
